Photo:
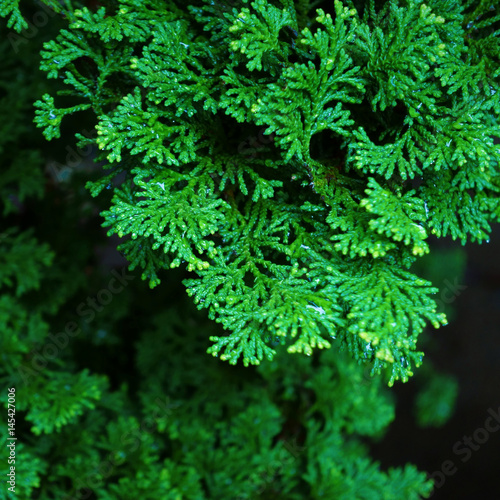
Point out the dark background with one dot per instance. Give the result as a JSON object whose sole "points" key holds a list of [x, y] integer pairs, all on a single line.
{"points": [[469, 349]]}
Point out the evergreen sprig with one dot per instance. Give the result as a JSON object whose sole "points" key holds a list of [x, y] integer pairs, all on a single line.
{"points": [[382, 119]]}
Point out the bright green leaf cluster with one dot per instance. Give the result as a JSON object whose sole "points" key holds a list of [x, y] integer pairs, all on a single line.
{"points": [[370, 128]]}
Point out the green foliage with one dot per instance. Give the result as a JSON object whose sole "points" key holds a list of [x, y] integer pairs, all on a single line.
{"points": [[371, 126], [436, 400], [21, 269], [10, 9], [52, 404], [358, 105]]}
